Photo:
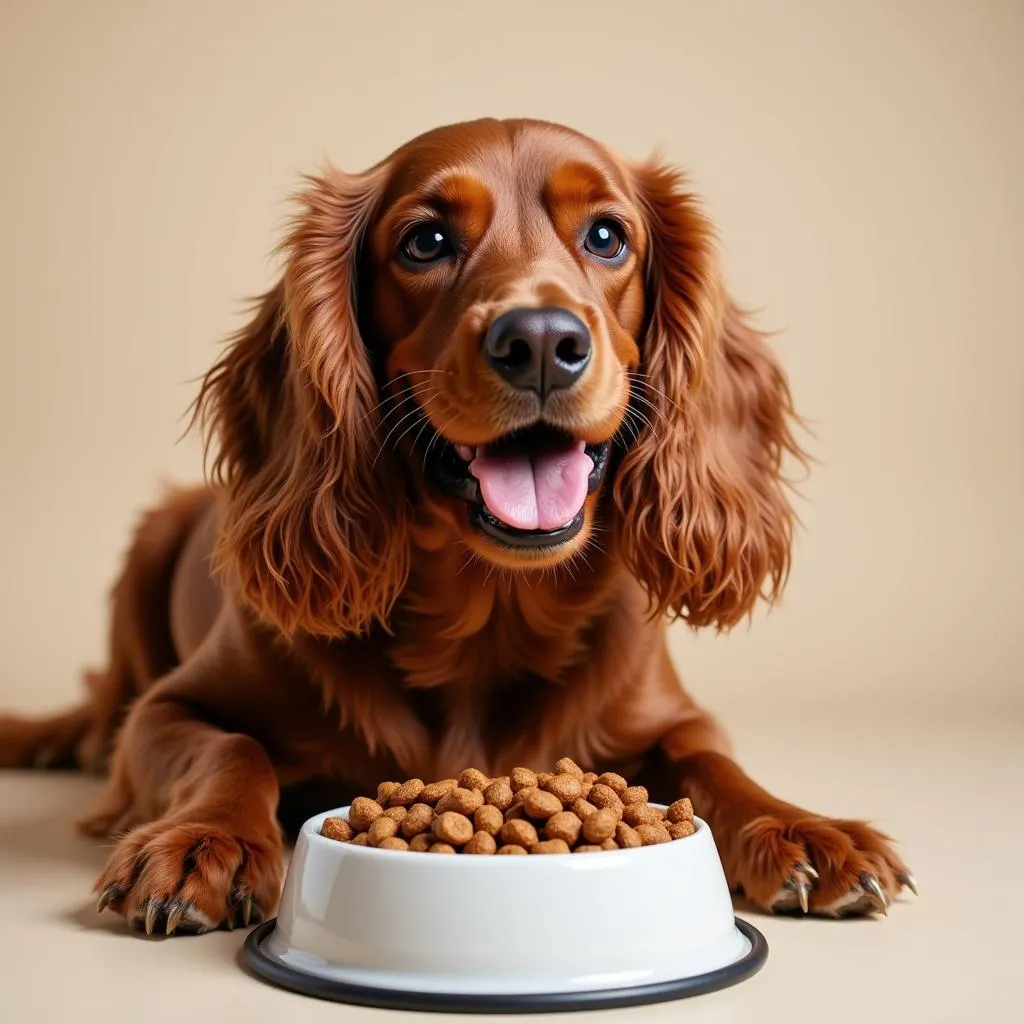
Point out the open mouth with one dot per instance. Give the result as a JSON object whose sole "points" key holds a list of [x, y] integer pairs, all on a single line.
{"points": [[526, 489]]}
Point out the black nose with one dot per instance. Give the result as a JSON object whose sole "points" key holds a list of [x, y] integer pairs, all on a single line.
{"points": [[538, 349]]}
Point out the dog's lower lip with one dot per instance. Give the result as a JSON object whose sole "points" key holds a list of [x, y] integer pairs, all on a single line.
{"points": [[508, 536]]}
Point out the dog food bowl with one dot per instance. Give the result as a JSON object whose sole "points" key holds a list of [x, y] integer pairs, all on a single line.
{"points": [[420, 931]]}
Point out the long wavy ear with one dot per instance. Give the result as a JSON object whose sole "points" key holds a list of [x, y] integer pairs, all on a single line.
{"points": [[703, 519], [313, 537]]}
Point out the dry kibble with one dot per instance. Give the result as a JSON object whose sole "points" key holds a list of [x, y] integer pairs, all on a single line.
{"points": [[543, 777], [550, 846], [384, 791], [519, 832], [515, 812], [590, 777], [541, 804], [650, 835], [434, 791], [565, 826], [600, 826], [362, 839], [488, 819], [634, 795], [626, 836], [604, 796], [482, 842], [512, 848], [441, 848], [567, 766], [382, 828], [417, 820], [523, 778], [473, 778], [363, 813], [336, 828], [393, 843], [609, 844], [588, 848], [614, 782], [566, 787], [681, 810], [681, 829], [452, 827], [583, 809], [640, 814], [421, 843], [407, 793], [463, 801], [396, 814], [499, 794]]}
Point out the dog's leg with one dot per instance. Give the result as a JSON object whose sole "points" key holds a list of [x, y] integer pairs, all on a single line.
{"points": [[780, 857]]}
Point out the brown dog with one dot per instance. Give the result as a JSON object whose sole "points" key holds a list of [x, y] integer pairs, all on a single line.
{"points": [[498, 423]]}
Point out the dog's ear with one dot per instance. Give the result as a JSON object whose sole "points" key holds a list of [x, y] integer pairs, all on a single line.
{"points": [[703, 519], [313, 535]]}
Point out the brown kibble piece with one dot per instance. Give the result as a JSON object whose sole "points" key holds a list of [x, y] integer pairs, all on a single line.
{"points": [[583, 809], [550, 846], [407, 793], [585, 788], [519, 832], [434, 791], [640, 814], [609, 844], [482, 842], [512, 848], [499, 794], [651, 835], [523, 778], [590, 777], [336, 828], [543, 777], [567, 766], [681, 810], [587, 848], [565, 826], [361, 840], [681, 829], [614, 782], [363, 813], [384, 791], [393, 843], [515, 812], [382, 828], [540, 804], [441, 848], [417, 820], [473, 778], [488, 819], [600, 826], [626, 836], [566, 787], [396, 814], [452, 827], [460, 800], [634, 795], [604, 796], [421, 842]]}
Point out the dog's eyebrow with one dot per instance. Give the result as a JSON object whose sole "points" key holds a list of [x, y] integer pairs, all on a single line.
{"points": [[576, 182], [450, 192]]}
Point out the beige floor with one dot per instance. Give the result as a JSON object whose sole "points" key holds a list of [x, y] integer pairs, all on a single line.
{"points": [[950, 794]]}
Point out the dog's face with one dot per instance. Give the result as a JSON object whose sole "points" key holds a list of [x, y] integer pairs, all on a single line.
{"points": [[503, 338], [503, 295]]}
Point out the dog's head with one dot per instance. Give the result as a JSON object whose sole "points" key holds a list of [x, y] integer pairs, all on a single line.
{"points": [[509, 338]]}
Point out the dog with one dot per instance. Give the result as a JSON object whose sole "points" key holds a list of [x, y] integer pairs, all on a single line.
{"points": [[499, 423]]}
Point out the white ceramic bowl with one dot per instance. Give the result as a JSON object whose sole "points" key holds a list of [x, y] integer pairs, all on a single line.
{"points": [[421, 931]]}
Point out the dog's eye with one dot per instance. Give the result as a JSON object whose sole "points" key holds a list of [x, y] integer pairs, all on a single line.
{"points": [[604, 240], [425, 244]]}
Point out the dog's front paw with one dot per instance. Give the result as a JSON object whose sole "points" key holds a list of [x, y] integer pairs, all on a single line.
{"points": [[169, 877], [817, 865]]}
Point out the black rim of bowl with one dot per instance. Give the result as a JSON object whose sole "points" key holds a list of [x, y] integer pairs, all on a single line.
{"points": [[270, 970]]}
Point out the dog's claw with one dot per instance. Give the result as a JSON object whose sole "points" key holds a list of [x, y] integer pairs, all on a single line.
{"points": [[871, 885], [174, 918], [807, 869], [152, 913], [246, 910], [907, 879], [105, 897]]}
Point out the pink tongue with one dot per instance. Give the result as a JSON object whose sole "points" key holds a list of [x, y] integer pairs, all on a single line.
{"points": [[540, 492]]}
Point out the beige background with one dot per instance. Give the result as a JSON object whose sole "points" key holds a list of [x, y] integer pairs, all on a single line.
{"points": [[863, 160]]}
